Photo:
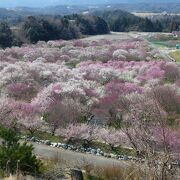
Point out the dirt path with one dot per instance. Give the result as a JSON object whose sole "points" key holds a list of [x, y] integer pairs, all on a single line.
{"points": [[111, 36], [75, 158]]}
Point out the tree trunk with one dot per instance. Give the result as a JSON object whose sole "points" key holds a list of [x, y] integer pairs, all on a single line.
{"points": [[112, 147], [76, 174], [131, 140], [86, 143], [53, 131], [31, 132]]}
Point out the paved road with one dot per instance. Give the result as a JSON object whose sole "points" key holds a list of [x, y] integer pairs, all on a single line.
{"points": [[75, 158]]}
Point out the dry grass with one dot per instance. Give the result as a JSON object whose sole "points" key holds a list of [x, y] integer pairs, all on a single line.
{"points": [[131, 172], [175, 55], [19, 177]]}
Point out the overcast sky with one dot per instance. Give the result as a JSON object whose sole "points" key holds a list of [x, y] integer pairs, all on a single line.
{"points": [[41, 3]]}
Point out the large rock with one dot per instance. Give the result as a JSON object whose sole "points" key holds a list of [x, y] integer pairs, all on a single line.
{"points": [[47, 142], [76, 174]]}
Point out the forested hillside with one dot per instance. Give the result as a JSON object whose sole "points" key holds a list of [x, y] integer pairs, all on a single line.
{"points": [[122, 21], [34, 29]]}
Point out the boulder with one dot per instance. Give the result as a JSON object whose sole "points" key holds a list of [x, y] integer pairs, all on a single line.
{"points": [[47, 142]]}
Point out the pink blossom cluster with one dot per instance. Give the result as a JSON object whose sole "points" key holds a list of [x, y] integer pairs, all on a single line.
{"points": [[80, 50], [60, 84]]}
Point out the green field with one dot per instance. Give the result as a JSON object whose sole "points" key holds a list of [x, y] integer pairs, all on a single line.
{"points": [[169, 44], [160, 43]]}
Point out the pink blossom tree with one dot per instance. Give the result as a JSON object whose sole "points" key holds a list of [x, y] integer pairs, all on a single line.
{"points": [[20, 91], [143, 115], [28, 117], [168, 97], [112, 108], [63, 112], [8, 114], [79, 132], [148, 132], [172, 72], [111, 137]]}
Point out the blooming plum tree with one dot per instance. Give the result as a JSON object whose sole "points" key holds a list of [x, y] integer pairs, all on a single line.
{"points": [[111, 137], [79, 132]]}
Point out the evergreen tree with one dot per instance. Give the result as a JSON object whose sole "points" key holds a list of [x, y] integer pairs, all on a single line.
{"points": [[16, 156], [6, 36]]}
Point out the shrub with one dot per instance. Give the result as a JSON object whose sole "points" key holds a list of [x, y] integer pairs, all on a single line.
{"points": [[172, 72]]}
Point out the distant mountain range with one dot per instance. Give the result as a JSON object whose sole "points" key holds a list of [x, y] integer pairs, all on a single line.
{"points": [[43, 3], [13, 13]]}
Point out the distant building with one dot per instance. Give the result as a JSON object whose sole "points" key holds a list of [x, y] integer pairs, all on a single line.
{"points": [[164, 13], [72, 20], [85, 12], [177, 46]]}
